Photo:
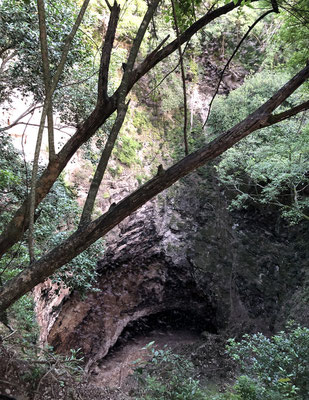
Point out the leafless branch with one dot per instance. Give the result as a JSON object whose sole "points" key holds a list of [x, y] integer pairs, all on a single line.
{"points": [[274, 119], [45, 127], [29, 110], [78, 82], [121, 113], [168, 74], [67, 45], [46, 76]]}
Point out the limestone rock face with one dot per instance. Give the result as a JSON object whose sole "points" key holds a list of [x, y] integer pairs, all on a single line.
{"points": [[184, 252]]}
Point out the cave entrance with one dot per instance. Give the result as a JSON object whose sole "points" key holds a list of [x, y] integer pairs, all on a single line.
{"points": [[165, 321], [175, 328]]}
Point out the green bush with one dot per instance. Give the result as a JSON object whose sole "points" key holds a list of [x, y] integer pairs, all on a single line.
{"points": [[167, 376], [269, 167], [276, 367]]}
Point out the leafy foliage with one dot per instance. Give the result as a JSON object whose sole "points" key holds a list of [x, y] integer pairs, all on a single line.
{"points": [[56, 217], [12, 176], [277, 367], [21, 65], [270, 167], [24, 317], [185, 12], [294, 29], [167, 376], [80, 273], [127, 149]]}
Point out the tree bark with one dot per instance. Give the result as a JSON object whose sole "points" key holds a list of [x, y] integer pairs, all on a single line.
{"points": [[84, 237], [106, 54]]}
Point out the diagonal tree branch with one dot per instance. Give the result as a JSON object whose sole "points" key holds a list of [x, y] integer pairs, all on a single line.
{"points": [[83, 238], [153, 59], [47, 81], [19, 223], [28, 111], [124, 87], [274, 119], [34, 180], [101, 168], [67, 45], [168, 74]]}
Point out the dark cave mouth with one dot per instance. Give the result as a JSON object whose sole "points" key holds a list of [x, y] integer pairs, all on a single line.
{"points": [[177, 330], [165, 321]]}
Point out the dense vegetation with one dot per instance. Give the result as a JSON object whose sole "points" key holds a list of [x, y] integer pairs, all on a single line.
{"points": [[270, 167], [274, 368]]}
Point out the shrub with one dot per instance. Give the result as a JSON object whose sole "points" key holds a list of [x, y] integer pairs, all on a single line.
{"points": [[269, 167], [167, 376], [277, 365]]}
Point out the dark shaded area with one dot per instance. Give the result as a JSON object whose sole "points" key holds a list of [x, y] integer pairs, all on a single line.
{"points": [[165, 321], [4, 397]]}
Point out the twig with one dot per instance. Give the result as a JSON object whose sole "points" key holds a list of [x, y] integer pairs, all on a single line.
{"points": [[11, 334], [78, 82], [29, 110], [9, 383], [168, 74], [45, 127], [40, 382]]}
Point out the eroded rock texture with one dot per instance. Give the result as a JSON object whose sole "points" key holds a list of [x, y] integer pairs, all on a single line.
{"points": [[186, 253], [137, 278]]}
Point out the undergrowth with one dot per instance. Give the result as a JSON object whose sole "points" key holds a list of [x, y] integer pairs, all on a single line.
{"points": [[274, 368]]}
